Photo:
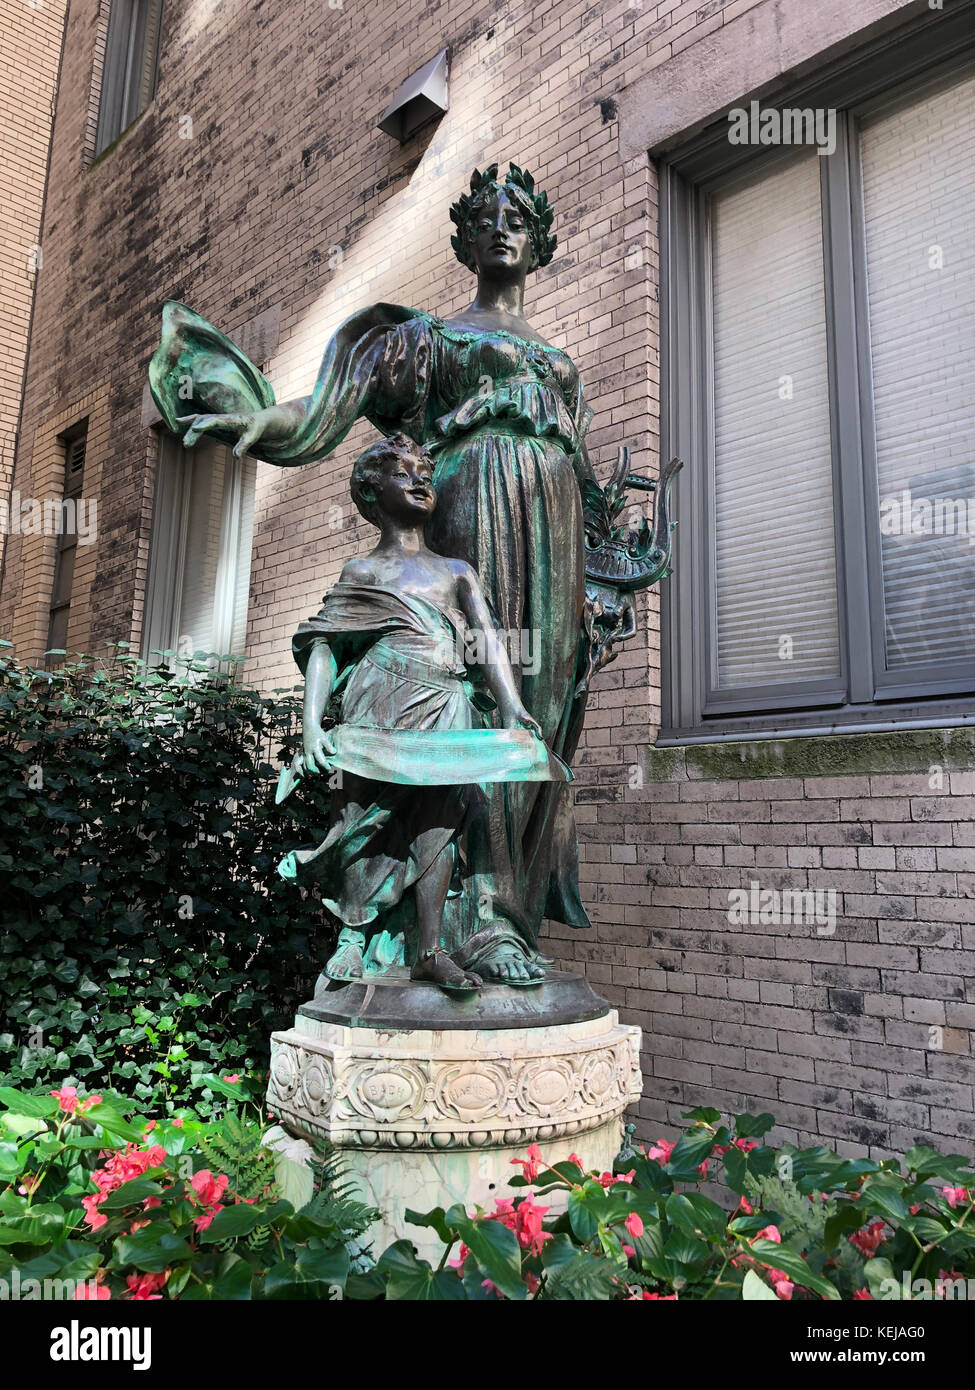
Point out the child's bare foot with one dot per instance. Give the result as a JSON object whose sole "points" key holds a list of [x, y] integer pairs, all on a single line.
{"points": [[441, 970]]}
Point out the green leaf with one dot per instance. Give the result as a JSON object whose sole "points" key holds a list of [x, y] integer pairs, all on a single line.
{"points": [[767, 1252], [136, 1190], [695, 1214], [881, 1280], [689, 1153], [497, 1252], [434, 1219], [753, 1288], [23, 1104], [754, 1126], [410, 1278], [847, 1219], [150, 1249], [234, 1281]]}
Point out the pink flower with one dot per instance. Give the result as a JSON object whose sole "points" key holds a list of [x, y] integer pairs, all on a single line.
{"points": [[782, 1285], [746, 1206], [145, 1287], [609, 1179], [177, 1124], [661, 1151], [746, 1145], [93, 1216], [208, 1188], [862, 1295], [531, 1165], [702, 1169], [526, 1222], [634, 1225], [200, 1223], [653, 1297], [458, 1264], [232, 1079], [954, 1196], [574, 1158], [868, 1239], [149, 1127], [67, 1098], [91, 1290], [532, 1281], [769, 1233], [628, 1251]]}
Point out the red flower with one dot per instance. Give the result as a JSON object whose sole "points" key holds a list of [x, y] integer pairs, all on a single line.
{"points": [[769, 1233], [634, 1225], [862, 1295], [746, 1206], [144, 1287], [529, 1229], [531, 1165], [954, 1196], [93, 1216], [868, 1239], [653, 1297], [208, 1188], [200, 1223]]}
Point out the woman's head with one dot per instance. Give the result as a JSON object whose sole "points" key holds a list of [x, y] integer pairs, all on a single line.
{"points": [[393, 478], [503, 225]]}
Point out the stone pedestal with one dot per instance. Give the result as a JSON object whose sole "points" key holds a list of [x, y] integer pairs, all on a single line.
{"points": [[429, 1117]]}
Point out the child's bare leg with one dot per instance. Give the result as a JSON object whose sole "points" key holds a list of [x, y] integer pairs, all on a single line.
{"points": [[432, 961]]}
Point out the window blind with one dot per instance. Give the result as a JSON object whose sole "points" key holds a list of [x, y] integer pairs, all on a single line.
{"points": [[774, 605], [918, 172]]}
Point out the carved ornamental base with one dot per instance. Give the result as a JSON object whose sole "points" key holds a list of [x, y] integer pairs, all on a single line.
{"points": [[427, 1118]]}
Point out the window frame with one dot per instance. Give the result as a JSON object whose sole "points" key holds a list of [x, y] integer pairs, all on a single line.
{"points": [[167, 549], [932, 55], [132, 44]]}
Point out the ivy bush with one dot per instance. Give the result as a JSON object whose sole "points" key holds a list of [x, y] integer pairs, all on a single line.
{"points": [[146, 938], [112, 1205]]}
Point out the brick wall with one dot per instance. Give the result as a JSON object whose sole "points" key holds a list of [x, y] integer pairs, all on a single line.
{"points": [[30, 42], [257, 180]]}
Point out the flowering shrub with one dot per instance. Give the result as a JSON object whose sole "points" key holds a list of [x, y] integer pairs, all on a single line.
{"points": [[808, 1224], [114, 1206], [103, 1206]]}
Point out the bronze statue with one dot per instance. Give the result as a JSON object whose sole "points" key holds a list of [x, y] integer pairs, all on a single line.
{"points": [[503, 415], [392, 637]]}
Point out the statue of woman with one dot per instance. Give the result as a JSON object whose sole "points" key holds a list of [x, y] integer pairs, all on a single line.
{"points": [[502, 413]]}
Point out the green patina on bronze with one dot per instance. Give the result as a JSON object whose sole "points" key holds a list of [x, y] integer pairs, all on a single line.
{"points": [[501, 416]]}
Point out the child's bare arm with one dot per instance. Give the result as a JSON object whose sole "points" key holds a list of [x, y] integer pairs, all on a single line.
{"points": [[319, 679], [496, 666]]}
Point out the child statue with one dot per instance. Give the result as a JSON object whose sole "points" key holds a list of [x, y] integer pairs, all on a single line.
{"points": [[387, 652]]}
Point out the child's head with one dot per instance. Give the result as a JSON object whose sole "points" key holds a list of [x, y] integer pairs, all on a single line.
{"points": [[393, 477]]}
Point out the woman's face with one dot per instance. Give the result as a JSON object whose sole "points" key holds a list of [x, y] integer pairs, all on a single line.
{"points": [[501, 245]]}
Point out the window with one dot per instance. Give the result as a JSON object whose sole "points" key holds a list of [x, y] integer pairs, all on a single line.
{"points": [[129, 73], [199, 564], [74, 442], [819, 335]]}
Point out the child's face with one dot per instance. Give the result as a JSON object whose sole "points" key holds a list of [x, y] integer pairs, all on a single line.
{"points": [[406, 490]]}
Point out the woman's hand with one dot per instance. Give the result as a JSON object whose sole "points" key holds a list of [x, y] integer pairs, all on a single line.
{"points": [[319, 747], [515, 716], [249, 427]]}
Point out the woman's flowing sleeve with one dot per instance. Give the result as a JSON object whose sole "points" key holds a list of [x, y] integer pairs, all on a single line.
{"points": [[378, 366]]}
